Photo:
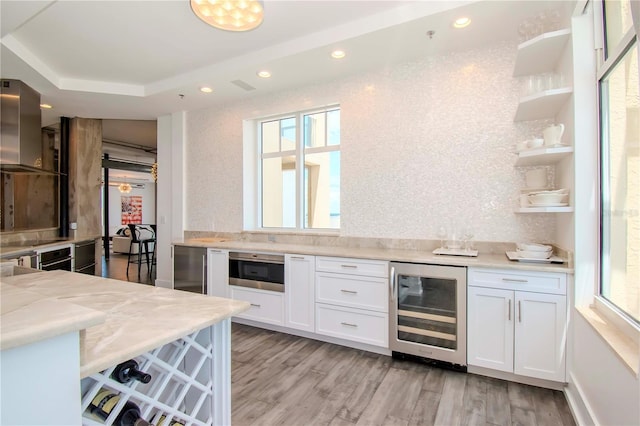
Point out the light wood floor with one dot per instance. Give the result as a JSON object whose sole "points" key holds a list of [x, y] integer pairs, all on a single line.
{"points": [[279, 379]]}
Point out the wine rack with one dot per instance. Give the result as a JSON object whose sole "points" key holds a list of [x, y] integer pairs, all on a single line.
{"points": [[181, 387]]}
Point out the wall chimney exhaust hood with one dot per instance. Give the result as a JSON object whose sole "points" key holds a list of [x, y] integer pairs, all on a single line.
{"points": [[20, 129]]}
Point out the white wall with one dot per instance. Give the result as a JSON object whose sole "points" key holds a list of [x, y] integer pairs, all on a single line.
{"points": [[170, 193], [601, 389], [423, 143], [148, 205]]}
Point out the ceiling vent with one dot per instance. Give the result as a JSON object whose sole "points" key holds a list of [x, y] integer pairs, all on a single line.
{"points": [[243, 85]]}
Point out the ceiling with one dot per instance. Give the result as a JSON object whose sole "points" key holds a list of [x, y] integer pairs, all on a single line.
{"points": [[138, 60]]}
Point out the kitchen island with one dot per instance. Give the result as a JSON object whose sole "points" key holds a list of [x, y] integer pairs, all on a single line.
{"points": [[66, 332]]}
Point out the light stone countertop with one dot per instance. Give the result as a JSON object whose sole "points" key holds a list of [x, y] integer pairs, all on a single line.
{"points": [[9, 247], [121, 319], [394, 255]]}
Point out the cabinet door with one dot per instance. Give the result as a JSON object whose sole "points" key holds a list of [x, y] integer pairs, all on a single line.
{"points": [[540, 335], [490, 334], [299, 287], [218, 275]]}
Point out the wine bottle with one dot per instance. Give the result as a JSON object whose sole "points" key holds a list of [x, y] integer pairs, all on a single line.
{"points": [[127, 371], [163, 418], [102, 405]]}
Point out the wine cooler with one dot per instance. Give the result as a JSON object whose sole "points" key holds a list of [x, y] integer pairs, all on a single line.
{"points": [[427, 312]]}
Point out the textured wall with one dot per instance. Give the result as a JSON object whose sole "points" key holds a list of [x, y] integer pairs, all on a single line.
{"points": [[424, 143]]}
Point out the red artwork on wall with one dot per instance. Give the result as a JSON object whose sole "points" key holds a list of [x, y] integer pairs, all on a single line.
{"points": [[131, 209]]}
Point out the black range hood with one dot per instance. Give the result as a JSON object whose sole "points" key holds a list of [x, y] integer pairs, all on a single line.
{"points": [[20, 129]]}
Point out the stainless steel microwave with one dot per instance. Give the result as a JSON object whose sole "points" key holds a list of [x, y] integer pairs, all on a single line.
{"points": [[257, 270]]}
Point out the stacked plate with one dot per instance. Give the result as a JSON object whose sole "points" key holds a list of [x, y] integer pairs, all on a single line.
{"points": [[556, 197], [534, 251]]}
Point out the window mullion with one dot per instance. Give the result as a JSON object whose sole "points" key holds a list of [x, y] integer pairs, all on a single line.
{"points": [[300, 172]]}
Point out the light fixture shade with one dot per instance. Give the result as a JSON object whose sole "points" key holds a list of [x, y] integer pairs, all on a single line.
{"points": [[229, 15], [125, 188]]}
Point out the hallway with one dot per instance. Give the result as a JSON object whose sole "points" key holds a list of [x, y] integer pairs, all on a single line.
{"points": [[116, 268]]}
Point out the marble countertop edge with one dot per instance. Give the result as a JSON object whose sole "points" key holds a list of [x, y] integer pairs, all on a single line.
{"points": [[41, 319], [486, 260]]}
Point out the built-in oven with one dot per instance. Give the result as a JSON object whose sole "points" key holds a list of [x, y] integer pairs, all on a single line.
{"points": [[257, 270], [55, 258], [428, 313]]}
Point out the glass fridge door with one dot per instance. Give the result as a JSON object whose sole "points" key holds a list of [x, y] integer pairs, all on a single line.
{"points": [[427, 311]]}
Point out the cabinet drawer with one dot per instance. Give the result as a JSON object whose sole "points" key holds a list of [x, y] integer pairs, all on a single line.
{"points": [[266, 306], [354, 291], [371, 268], [541, 282], [352, 324]]}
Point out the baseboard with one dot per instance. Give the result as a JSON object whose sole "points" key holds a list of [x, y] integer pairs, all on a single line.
{"points": [[515, 378], [580, 410], [314, 336], [163, 284]]}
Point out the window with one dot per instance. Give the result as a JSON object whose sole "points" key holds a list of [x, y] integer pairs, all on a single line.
{"points": [[620, 162], [300, 170]]}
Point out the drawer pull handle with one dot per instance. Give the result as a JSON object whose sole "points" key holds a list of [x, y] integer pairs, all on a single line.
{"points": [[347, 324], [519, 311], [255, 305], [350, 266], [349, 291], [509, 310], [297, 258], [514, 280]]}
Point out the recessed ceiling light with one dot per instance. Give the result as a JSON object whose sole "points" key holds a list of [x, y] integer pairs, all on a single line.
{"points": [[461, 22], [45, 106], [264, 74], [338, 54], [205, 89]]}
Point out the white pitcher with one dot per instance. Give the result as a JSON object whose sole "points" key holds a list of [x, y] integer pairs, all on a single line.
{"points": [[553, 134]]}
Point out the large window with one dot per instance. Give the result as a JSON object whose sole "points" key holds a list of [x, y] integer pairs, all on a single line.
{"points": [[300, 170], [620, 162]]}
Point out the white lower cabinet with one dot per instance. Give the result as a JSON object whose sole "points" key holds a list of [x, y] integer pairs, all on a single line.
{"points": [[218, 272], [352, 300], [514, 330], [266, 306], [299, 287], [352, 324]]}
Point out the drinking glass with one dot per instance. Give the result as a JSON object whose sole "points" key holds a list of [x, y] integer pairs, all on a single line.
{"points": [[442, 234], [467, 235]]}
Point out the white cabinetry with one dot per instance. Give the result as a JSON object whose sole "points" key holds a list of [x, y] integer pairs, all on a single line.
{"points": [[299, 285], [539, 55], [352, 299], [218, 272], [266, 306], [517, 322]]}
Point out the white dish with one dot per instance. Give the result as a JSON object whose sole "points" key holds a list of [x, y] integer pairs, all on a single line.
{"points": [[534, 254], [549, 204], [512, 255], [533, 247]]}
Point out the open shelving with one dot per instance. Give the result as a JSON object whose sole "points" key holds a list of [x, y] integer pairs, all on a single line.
{"points": [[564, 209], [541, 105], [540, 54], [543, 156]]}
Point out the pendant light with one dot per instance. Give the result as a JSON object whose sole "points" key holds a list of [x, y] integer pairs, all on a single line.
{"points": [[229, 15]]}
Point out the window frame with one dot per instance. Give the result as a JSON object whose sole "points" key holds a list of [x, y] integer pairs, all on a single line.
{"points": [[609, 58], [299, 153]]}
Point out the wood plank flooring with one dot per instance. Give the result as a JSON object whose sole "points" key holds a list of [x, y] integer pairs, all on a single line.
{"points": [[279, 379]]}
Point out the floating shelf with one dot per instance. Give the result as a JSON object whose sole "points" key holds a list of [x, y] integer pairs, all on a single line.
{"points": [[541, 54], [543, 156], [542, 105], [567, 209]]}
